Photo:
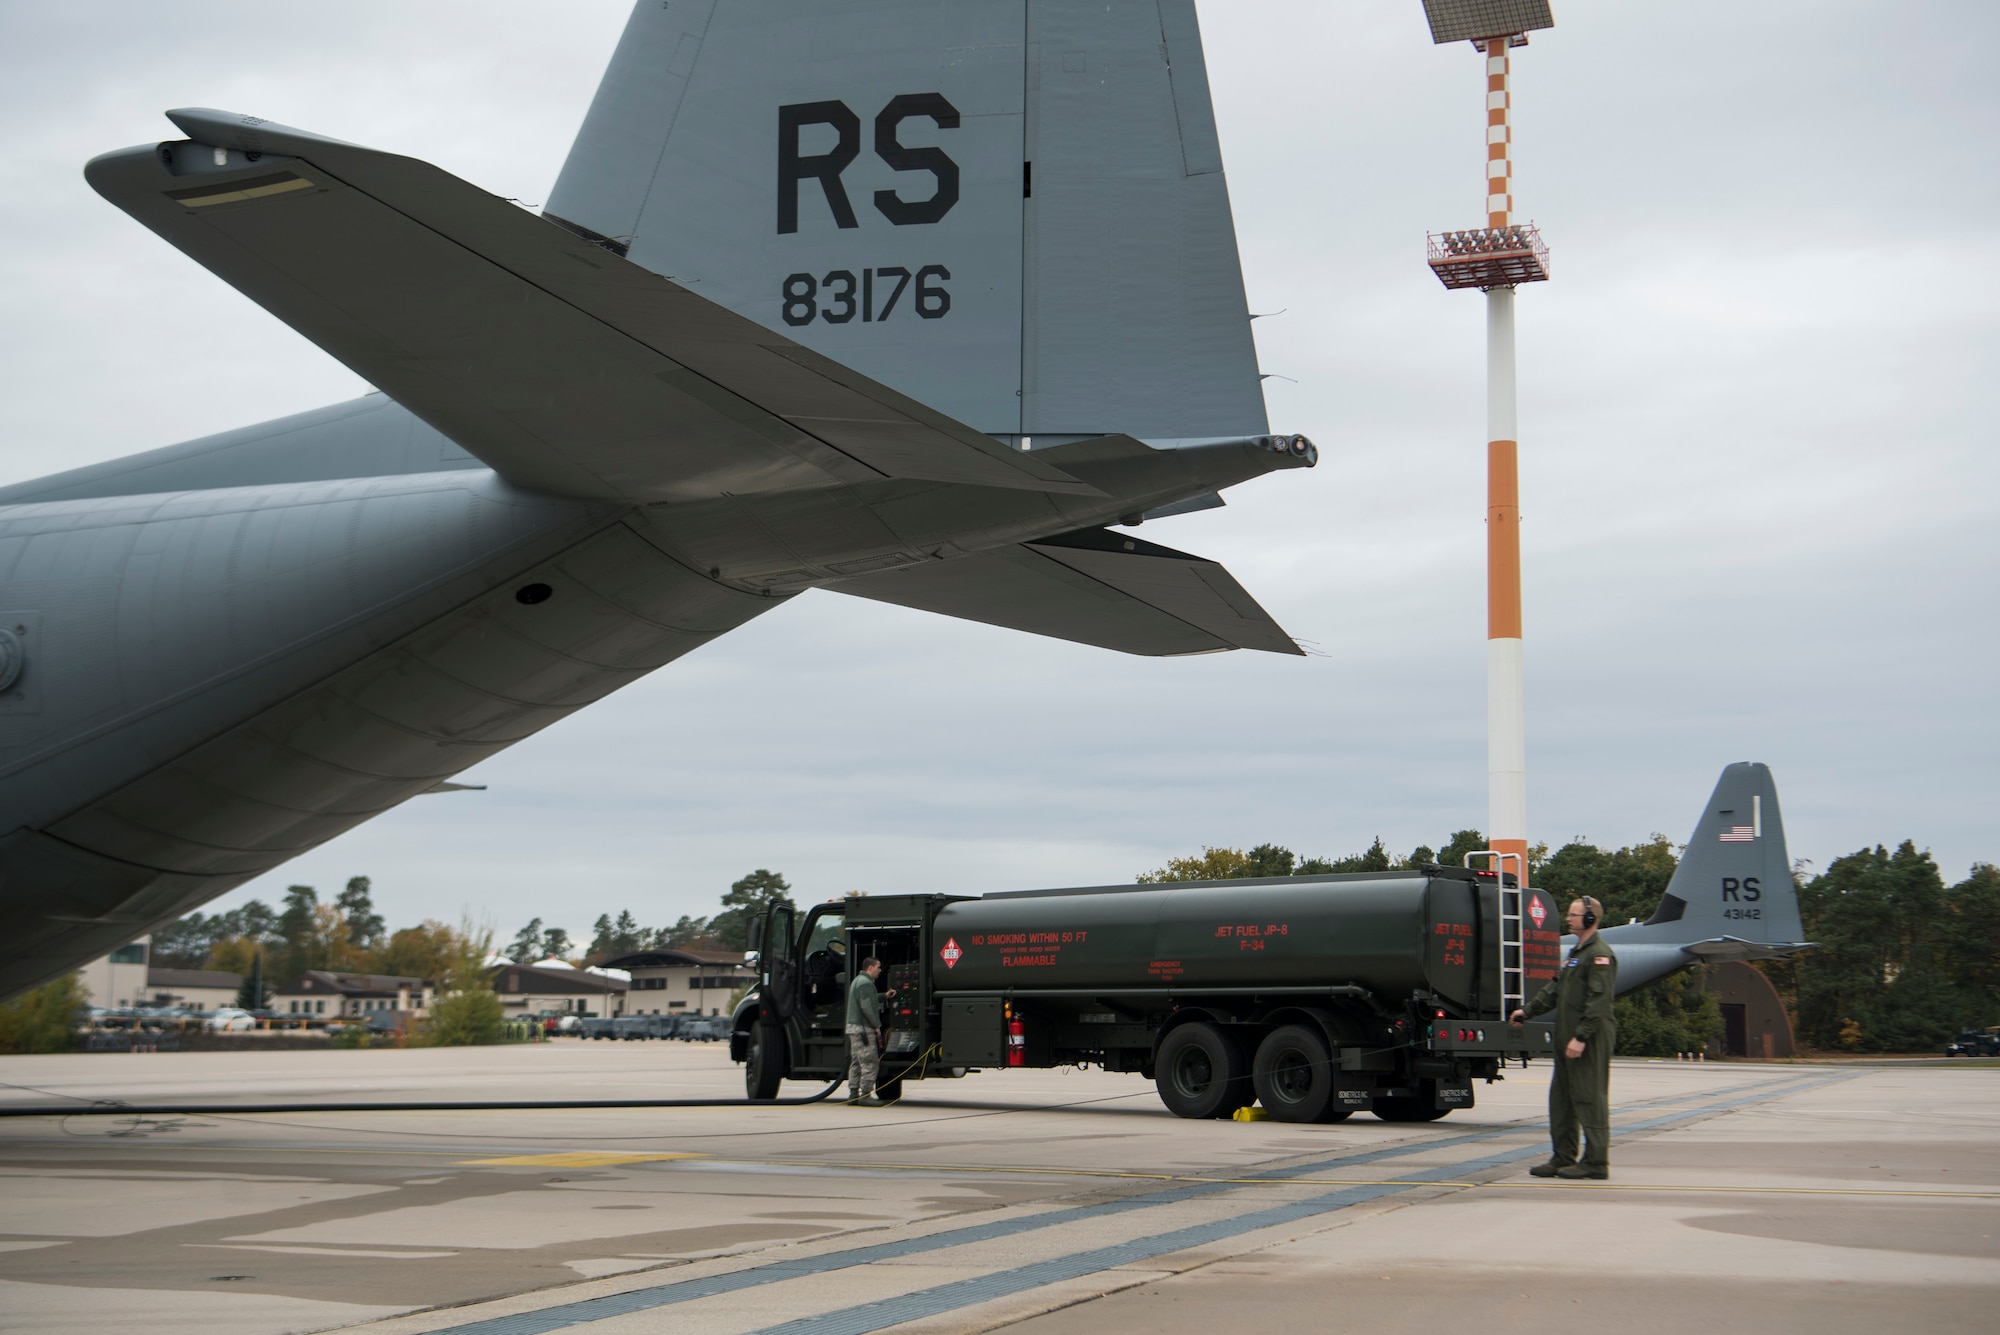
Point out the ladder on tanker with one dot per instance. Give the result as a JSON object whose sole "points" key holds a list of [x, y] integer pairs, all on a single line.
{"points": [[1512, 972]]}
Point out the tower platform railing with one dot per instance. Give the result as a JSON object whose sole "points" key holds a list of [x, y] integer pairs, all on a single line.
{"points": [[1488, 257]]}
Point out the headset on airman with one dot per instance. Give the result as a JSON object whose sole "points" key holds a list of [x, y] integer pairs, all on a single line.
{"points": [[1591, 910]]}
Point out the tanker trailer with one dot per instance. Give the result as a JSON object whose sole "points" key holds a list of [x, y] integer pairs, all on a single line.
{"points": [[1316, 996]]}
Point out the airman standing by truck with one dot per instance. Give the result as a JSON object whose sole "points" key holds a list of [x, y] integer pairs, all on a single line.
{"points": [[1580, 994], [864, 1034]]}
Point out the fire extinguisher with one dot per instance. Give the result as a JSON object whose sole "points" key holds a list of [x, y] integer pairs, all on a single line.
{"points": [[1017, 1041]]}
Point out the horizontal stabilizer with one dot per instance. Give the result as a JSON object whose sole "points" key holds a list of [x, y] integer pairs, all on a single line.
{"points": [[1093, 587], [556, 362], [1727, 948], [1193, 504]]}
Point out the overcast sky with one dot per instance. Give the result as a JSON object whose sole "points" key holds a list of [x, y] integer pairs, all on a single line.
{"points": [[1758, 407]]}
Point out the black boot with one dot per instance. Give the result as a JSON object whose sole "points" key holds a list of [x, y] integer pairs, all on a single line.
{"points": [[1577, 1171]]}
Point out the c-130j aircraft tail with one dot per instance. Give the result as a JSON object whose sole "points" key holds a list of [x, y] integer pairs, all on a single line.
{"points": [[1731, 897], [812, 281]]}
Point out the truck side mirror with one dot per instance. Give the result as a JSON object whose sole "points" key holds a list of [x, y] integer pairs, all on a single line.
{"points": [[755, 937]]}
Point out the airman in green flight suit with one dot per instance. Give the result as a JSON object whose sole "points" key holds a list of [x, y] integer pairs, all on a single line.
{"points": [[1580, 994]]}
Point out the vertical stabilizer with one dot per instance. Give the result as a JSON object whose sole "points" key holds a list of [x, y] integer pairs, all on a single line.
{"points": [[1735, 878], [1011, 210], [1135, 314], [1731, 897]]}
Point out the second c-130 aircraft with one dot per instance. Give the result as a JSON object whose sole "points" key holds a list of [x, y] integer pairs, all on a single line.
{"points": [[911, 301]]}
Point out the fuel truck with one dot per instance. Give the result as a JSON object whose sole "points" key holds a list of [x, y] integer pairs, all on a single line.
{"points": [[1314, 996]]}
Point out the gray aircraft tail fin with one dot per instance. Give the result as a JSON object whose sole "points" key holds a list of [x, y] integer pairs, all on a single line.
{"points": [[1012, 211], [1732, 896]]}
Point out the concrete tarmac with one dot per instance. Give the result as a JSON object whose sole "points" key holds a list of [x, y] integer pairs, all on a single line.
{"points": [[1780, 1197]]}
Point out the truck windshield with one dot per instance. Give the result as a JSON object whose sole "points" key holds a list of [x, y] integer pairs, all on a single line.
{"points": [[823, 931], [823, 963]]}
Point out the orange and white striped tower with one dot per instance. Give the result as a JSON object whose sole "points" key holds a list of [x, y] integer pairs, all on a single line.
{"points": [[1497, 258], [1499, 135], [1506, 699]]}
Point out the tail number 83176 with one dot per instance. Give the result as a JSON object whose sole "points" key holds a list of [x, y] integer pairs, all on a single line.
{"points": [[869, 295]]}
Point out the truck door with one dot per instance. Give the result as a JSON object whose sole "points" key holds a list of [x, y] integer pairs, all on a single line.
{"points": [[777, 969], [823, 974]]}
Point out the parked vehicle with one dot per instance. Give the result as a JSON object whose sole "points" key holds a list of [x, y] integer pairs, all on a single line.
{"points": [[643, 1026], [597, 1026], [1975, 1043], [229, 1020], [703, 1028]]}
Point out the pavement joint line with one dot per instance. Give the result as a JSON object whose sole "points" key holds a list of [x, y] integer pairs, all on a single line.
{"points": [[1746, 1191], [964, 1293], [1395, 1150], [1274, 1177], [867, 1317], [1619, 1186]]}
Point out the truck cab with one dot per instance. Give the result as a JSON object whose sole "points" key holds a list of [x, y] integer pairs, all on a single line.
{"points": [[793, 1024]]}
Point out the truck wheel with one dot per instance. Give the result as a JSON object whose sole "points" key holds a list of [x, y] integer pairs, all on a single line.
{"points": [[1201, 1072], [766, 1066], [1293, 1074]]}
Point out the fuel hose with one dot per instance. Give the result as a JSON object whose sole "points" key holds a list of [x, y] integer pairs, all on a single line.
{"points": [[118, 1108]]}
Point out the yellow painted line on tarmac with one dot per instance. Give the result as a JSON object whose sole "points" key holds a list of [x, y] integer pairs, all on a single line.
{"points": [[578, 1159], [1030, 1171], [615, 1158], [1115, 1174]]}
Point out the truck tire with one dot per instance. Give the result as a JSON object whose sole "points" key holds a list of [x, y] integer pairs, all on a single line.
{"points": [[1293, 1074], [1201, 1072], [766, 1066]]}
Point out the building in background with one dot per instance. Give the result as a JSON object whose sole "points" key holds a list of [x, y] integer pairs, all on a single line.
{"points": [[1754, 1022], [677, 982], [326, 995], [194, 989], [527, 990], [119, 980]]}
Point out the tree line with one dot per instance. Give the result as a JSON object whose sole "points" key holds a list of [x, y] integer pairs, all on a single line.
{"points": [[269, 947], [611, 938], [348, 935], [1904, 962], [345, 935]]}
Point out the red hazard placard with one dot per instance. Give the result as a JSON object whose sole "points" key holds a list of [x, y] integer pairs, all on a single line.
{"points": [[950, 953], [1536, 911]]}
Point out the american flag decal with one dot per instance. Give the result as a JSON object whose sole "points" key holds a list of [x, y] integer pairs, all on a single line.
{"points": [[1739, 834]]}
